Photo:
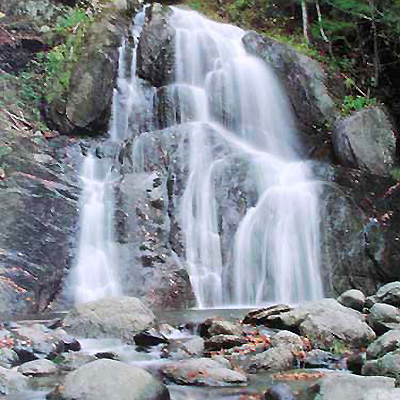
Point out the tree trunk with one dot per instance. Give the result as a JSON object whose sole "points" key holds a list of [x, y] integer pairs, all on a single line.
{"points": [[305, 21]]}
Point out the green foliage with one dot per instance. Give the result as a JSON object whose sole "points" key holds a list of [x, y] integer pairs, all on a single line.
{"points": [[356, 103], [395, 173], [73, 18]]}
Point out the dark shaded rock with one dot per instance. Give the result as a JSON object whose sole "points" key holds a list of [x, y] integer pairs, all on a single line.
{"points": [[320, 359], [219, 342], [353, 299], [384, 317], [107, 355], [119, 317], [112, 380], [202, 372], [280, 391], [156, 51], [387, 343], [306, 85], [366, 140], [149, 338], [259, 317]]}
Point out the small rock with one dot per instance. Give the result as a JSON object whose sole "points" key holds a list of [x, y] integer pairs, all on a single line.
{"points": [[216, 326], [389, 294], [12, 381], [320, 359], [8, 357], [202, 372], [274, 360], [38, 368], [219, 342], [388, 365], [384, 317], [260, 317], [73, 361], [288, 340], [280, 391], [149, 338], [353, 299], [109, 355], [387, 343]]}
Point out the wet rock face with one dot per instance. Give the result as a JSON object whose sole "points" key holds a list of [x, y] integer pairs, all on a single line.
{"points": [[156, 49], [305, 83], [366, 140], [38, 205]]}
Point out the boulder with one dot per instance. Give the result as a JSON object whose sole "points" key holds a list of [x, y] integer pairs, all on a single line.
{"points": [[149, 338], [12, 382], [38, 368], [366, 140], [280, 391], [156, 48], [320, 359], [288, 340], [388, 365], [259, 317], [114, 317], [335, 386], [217, 326], [111, 380], [387, 343], [389, 294], [352, 298], [382, 394], [383, 317], [326, 323], [219, 342], [273, 360], [305, 82], [202, 372], [8, 357]]}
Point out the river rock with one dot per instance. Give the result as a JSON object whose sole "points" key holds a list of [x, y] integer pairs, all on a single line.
{"points": [[219, 342], [353, 298], [273, 360], [280, 391], [288, 340], [202, 372], [388, 365], [262, 316], [117, 317], [149, 338], [387, 343], [111, 380], [335, 386], [8, 357], [38, 368], [12, 381], [382, 394], [389, 294], [383, 317], [366, 140], [156, 48], [217, 326], [72, 361], [320, 359]]}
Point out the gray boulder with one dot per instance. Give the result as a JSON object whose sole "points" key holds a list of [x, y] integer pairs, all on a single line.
{"points": [[280, 391], [38, 368], [389, 294], [203, 372], [117, 317], [12, 382], [72, 361], [382, 394], [383, 317], [388, 365], [387, 343], [217, 326], [111, 380], [306, 85], [273, 360], [288, 340], [352, 298], [8, 357], [335, 386], [156, 49], [219, 342], [365, 140]]}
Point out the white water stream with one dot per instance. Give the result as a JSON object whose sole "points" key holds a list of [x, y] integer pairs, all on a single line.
{"points": [[275, 253]]}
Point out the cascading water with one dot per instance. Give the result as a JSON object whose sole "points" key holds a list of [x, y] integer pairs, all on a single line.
{"points": [[275, 252], [96, 275]]}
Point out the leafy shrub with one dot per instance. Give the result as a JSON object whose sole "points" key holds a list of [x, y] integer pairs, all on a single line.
{"points": [[356, 103]]}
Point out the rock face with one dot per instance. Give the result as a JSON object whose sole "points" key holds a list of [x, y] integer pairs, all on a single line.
{"points": [[203, 372], [306, 85], [156, 49], [112, 380], [119, 317], [366, 140]]}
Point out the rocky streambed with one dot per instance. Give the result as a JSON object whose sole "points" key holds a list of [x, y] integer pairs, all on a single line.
{"points": [[116, 348]]}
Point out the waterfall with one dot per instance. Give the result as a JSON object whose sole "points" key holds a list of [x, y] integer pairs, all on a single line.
{"points": [[96, 274], [274, 255]]}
